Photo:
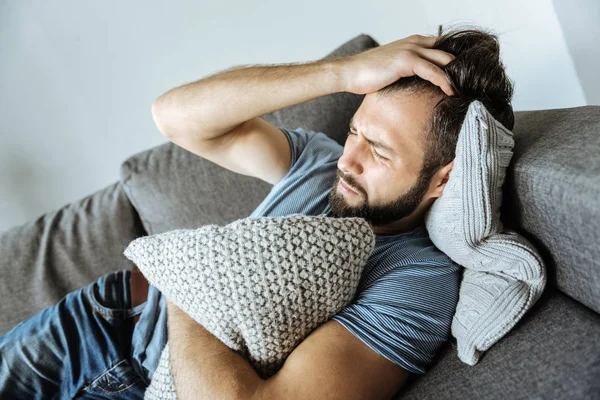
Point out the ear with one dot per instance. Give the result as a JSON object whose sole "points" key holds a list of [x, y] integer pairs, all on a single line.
{"points": [[439, 180]]}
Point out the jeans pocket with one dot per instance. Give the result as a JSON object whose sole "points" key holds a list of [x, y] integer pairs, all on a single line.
{"points": [[110, 296], [119, 380]]}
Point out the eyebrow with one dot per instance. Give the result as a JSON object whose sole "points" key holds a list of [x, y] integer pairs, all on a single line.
{"points": [[376, 143]]}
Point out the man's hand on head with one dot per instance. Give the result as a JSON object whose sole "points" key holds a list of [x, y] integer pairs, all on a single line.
{"points": [[376, 68]]}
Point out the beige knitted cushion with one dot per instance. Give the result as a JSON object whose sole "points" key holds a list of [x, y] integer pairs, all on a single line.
{"points": [[504, 274], [260, 285]]}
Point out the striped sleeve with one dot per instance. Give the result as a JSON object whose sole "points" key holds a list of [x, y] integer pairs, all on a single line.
{"points": [[298, 139], [405, 314]]}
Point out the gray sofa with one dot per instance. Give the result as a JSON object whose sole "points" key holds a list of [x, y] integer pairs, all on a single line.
{"points": [[551, 195]]}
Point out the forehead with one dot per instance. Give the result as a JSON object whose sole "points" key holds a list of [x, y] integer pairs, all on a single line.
{"points": [[399, 120]]}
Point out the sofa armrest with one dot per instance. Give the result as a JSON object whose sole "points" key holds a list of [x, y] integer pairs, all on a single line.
{"points": [[42, 260]]}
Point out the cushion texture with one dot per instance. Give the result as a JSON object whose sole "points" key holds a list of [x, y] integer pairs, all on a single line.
{"points": [[504, 274], [173, 188], [552, 353], [260, 285], [552, 194], [43, 260]]}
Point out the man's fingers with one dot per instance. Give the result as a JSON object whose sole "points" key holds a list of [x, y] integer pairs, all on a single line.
{"points": [[424, 41], [434, 74], [438, 57]]}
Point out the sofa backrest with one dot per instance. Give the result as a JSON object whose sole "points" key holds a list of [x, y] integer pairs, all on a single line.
{"points": [[552, 195]]}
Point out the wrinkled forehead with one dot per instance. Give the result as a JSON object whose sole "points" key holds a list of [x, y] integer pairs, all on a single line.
{"points": [[400, 120]]}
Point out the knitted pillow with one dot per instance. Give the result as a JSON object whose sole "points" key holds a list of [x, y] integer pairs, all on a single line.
{"points": [[504, 274], [260, 285]]}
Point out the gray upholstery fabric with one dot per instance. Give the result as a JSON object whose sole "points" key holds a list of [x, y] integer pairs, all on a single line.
{"points": [[552, 195], [552, 353], [43, 260], [173, 188]]}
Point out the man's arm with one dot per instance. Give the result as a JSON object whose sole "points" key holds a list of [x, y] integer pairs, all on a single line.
{"points": [[202, 366], [218, 117], [215, 105], [331, 363], [344, 357]]}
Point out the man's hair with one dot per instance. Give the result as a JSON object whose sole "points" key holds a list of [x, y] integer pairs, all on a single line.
{"points": [[476, 73]]}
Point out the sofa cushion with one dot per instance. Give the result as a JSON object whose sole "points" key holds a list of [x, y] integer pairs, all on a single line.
{"points": [[260, 285], [552, 353], [504, 273], [173, 188], [43, 260], [552, 195]]}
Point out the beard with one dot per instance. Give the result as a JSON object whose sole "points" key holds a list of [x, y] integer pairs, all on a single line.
{"points": [[377, 215]]}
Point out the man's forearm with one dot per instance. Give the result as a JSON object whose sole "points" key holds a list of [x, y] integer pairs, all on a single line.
{"points": [[202, 366], [218, 103]]}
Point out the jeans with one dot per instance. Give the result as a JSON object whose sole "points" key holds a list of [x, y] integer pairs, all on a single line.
{"points": [[85, 346]]}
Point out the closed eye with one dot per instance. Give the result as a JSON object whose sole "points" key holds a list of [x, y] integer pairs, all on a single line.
{"points": [[375, 153]]}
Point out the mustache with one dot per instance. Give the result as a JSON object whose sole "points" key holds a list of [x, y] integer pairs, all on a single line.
{"points": [[349, 182]]}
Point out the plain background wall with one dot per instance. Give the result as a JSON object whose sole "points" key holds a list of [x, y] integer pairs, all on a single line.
{"points": [[77, 79], [580, 22]]}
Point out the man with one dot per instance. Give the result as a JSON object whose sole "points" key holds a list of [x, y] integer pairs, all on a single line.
{"points": [[395, 163]]}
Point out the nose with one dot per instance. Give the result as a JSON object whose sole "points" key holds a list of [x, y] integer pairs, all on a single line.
{"points": [[351, 160]]}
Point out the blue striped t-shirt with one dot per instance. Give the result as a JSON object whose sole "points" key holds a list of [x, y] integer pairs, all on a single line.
{"points": [[408, 292]]}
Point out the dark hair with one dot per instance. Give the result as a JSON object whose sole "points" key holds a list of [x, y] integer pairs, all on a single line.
{"points": [[476, 73]]}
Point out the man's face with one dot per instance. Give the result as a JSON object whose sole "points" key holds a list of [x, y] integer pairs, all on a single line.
{"points": [[385, 189]]}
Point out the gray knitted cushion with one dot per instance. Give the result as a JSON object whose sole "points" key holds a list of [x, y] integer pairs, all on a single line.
{"points": [[504, 274], [260, 285]]}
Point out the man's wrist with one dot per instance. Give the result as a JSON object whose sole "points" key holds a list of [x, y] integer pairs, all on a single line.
{"points": [[336, 71]]}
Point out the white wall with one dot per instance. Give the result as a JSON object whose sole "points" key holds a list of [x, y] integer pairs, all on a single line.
{"points": [[77, 78], [580, 22]]}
